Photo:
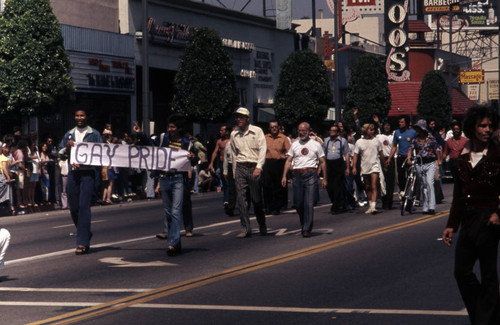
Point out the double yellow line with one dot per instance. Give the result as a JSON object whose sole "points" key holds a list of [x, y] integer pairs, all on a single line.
{"points": [[122, 303]]}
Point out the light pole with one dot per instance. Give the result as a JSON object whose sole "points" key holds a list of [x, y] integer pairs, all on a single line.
{"points": [[145, 69], [336, 16]]}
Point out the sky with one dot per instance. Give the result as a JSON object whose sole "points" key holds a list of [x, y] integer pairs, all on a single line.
{"points": [[300, 8]]}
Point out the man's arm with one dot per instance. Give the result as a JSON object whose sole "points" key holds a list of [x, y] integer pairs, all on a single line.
{"points": [[214, 154], [288, 163], [322, 165], [262, 154]]}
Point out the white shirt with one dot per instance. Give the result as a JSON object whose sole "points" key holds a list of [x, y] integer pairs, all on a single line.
{"points": [[386, 141], [305, 154], [80, 134], [368, 151]]}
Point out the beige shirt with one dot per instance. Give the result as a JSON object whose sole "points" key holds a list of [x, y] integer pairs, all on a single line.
{"points": [[249, 146]]}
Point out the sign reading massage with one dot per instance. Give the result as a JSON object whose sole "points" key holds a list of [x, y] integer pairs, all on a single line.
{"points": [[122, 155]]}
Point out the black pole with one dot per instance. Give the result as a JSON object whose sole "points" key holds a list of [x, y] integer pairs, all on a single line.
{"points": [[313, 33], [145, 69]]}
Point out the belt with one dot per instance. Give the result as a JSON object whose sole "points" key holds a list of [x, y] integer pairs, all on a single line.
{"points": [[303, 170], [247, 164], [425, 160]]}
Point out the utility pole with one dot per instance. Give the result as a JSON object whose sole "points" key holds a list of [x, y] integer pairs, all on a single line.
{"points": [[336, 16], [145, 70]]}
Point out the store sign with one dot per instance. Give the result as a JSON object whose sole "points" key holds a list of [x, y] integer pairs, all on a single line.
{"points": [[471, 77], [481, 14], [102, 73], [247, 73], [493, 89], [169, 32], [263, 84], [397, 49], [473, 91], [440, 6], [354, 9], [239, 45]]}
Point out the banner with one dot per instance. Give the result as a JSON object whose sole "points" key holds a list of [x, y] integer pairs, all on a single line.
{"points": [[123, 155]]}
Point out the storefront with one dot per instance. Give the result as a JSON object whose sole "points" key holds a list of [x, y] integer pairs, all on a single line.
{"points": [[255, 47], [104, 81]]}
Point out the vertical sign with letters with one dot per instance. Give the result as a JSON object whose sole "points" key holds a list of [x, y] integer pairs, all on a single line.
{"points": [[396, 27]]}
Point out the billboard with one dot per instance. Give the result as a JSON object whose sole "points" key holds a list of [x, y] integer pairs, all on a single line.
{"points": [[480, 14]]}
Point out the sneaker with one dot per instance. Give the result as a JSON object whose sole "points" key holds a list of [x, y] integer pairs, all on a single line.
{"points": [[189, 234], [369, 211], [362, 203]]}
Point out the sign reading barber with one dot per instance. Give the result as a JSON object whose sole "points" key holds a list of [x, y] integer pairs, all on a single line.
{"points": [[122, 155]]}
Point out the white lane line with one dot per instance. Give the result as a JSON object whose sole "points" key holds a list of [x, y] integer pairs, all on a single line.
{"points": [[462, 312], [72, 225], [26, 289], [132, 240]]}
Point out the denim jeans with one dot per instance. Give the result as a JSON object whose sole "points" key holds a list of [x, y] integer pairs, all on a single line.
{"points": [[304, 188], [425, 174], [80, 189], [172, 188]]}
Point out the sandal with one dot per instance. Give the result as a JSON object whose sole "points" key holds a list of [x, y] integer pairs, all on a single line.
{"points": [[81, 250]]}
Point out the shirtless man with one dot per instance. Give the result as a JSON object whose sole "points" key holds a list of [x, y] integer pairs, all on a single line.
{"points": [[220, 146], [219, 151]]}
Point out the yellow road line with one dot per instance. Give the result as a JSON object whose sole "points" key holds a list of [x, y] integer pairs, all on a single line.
{"points": [[122, 303]]}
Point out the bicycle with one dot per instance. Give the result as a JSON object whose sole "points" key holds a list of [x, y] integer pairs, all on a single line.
{"points": [[408, 197]]}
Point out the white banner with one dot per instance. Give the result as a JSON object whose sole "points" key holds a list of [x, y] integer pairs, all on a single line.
{"points": [[122, 155]]}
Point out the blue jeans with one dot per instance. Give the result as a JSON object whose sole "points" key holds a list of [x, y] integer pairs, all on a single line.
{"points": [[304, 188], [172, 188], [426, 174], [80, 189]]}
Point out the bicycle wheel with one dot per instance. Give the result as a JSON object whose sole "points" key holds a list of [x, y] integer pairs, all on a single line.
{"points": [[407, 199]]}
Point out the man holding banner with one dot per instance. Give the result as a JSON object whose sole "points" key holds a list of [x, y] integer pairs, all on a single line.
{"points": [[172, 181], [81, 179]]}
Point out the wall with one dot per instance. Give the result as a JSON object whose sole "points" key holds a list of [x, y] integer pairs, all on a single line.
{"points": [[94, 14]]}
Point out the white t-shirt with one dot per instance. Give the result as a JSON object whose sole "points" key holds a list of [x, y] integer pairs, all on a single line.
{"points": [[305, 154], [368, 151], [80, 134], [386, 141]]}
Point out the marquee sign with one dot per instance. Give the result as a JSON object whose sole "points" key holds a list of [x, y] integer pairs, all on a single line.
{"points": [[396, 23]]}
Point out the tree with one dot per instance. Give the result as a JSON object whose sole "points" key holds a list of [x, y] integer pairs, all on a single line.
{"points": [[34, 65], [433, 100], [303, 92], [368, 90], [205, 85]]}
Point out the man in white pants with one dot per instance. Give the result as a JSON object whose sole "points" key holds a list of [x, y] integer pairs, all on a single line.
{"points": [[4, 244]]}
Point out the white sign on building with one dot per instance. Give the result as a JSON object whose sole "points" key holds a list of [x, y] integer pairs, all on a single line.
{"points": [[473, 91]]}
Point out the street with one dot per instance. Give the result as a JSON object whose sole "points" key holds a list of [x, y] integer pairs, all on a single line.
{"points": [[355, 269]]}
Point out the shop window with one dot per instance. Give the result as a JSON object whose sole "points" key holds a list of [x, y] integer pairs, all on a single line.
{"points": [[243, 97]]}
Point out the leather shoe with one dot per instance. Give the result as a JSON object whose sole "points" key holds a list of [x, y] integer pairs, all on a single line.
{"points": [[162, 235], [429, 212], [189, 234], [306, 234], [244, 235], [173, 251], [263, 230]]}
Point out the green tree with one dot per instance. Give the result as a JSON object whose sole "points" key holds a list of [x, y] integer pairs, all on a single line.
{"points": [[303, 92], [34, 65], [205, 85], [368, 90], [434, 100]]}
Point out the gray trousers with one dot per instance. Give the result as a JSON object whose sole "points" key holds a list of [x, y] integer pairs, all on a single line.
{"points": [[246, 183]]}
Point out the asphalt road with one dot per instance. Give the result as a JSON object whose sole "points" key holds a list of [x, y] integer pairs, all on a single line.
{"points": [[355, 269]]}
